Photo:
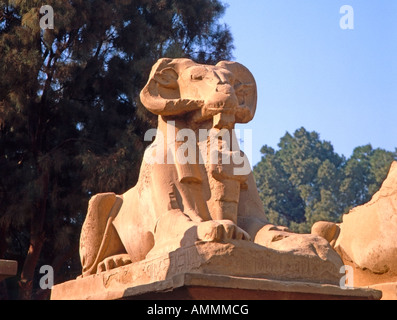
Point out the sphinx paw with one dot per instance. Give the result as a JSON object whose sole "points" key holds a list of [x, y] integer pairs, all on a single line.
{"points": [[114, 262], [220, 230]]}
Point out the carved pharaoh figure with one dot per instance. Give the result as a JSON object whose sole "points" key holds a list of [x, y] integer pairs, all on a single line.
{"points": [[175, 203]]}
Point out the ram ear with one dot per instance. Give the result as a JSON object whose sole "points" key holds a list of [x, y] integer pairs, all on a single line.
{"points": [[245, 88], [161, 94], [162, 88], [167, 78]]}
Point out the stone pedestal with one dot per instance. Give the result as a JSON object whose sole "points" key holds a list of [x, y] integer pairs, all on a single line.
{"points": [[194, 286], [385, 282], [218, 287], [389, 290], [8, 269], [216, 271]]}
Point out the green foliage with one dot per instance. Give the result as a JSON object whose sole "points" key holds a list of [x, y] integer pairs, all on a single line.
{"points": [[306, 181], [71, 123]]}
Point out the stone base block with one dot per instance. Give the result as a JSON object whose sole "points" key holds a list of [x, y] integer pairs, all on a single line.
{"points": [[229, 267], [218, 287], [8, 268], [190, 286], [389, 290]]}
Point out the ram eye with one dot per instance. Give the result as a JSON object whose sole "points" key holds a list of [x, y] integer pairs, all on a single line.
{"points": [[244, 88], [196, 77]]}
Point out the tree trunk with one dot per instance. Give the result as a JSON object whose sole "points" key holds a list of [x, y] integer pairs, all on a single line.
{"points": [[37, 238], [28, 270], [3, 242], [57, 265]]}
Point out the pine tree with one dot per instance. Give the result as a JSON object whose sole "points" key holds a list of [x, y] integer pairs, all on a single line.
{"points": [[306, 181], [365, 171]]}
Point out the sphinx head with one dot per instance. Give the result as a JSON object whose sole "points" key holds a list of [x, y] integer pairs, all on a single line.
{"points": [[225, 92]]}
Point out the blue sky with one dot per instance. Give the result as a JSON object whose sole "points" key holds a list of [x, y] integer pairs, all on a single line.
{"points": [[311, 73]]}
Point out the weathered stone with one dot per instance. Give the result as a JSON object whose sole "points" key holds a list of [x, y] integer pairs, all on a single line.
{"points": [[196, 196], [197, 286], [367, 238], [389, 290], [238, 259], [8, 268], [221, 287], [368, 235]]}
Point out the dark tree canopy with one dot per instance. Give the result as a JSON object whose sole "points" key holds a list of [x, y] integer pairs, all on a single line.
{"points": [[307, 181], [71, 123]]}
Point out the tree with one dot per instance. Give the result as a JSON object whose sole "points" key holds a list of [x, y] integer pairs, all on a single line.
{"points": [[364, 173], [282, 202], [71, 123], [306, 181]]}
